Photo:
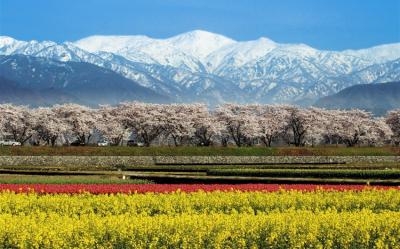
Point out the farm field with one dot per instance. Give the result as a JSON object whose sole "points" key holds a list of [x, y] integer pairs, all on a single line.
{"points": [[172, 204], [332, 172], [362, 218], [383, 173], [318, 205]]}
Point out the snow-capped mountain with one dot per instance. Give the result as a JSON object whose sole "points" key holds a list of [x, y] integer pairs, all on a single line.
{"points": [[239, 53], [182, 51], [377, 54], [203, 66], [198, 43], [188, 50]]}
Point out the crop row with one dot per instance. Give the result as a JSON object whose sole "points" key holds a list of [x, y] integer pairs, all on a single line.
{"points": [[291, 229], [339, 173], [218, 219], [202, 168], [348, 166], [151, 204], [354, 166], [164, 188], [67, 179]]}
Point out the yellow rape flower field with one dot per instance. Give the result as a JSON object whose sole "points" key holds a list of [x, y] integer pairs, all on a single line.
{"points": [[230, 219]]}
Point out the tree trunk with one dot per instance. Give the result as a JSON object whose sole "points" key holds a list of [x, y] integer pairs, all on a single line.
{"points": [[267, 140], [53, 141]]}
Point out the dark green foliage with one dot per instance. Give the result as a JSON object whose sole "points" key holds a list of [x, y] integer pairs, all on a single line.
{"points": [[306, 173]]}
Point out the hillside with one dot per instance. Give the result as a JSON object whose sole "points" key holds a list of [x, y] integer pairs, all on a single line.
{"points": [[41, 81], [376, 98]]}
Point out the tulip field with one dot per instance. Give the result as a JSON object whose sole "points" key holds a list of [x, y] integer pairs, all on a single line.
{"points": [[199, 216]]}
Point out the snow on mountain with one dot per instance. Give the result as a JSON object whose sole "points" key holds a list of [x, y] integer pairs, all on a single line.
{"points": [[127, 46], [66, 52], [203, 66], [112, 43], [69, 52], [196, 43], [377, 54], [8, 45], [238, 53], [144, 49], [199, 43], [168, 55], [338, 63], [377, 73], [291, 63]]}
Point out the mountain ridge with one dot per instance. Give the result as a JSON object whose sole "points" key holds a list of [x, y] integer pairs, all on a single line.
{"points": [[192, 65]]}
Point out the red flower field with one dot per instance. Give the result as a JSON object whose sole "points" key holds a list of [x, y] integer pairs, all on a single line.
{"points": [[165, 188]]}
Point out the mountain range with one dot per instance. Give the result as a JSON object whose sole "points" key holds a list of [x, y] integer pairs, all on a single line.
{"points": [[196, 66]]}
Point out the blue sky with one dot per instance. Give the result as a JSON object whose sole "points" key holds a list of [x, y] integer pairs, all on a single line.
{"points": [[323, 24]]}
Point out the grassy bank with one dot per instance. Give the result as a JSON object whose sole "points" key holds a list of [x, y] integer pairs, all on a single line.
{"points": [[69, 179]]}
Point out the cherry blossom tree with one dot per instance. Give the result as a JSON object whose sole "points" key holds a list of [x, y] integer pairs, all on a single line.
{"points": [[187, 122], [180, 121], [393, 120], [2, 132], [80, 119], [244, 125], [353, 126], [377, 132], [110, 124], [148, 121], [239, 122], [207, 127], [272, 121], [49, 126], [331, 124], [18, 122], [299, 122], [319, 122]]}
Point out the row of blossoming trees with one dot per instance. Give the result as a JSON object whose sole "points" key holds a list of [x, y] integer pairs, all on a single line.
{"points": [[179, 124]]}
